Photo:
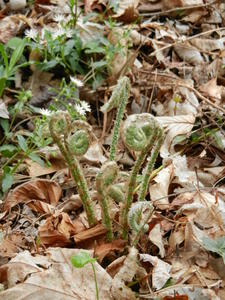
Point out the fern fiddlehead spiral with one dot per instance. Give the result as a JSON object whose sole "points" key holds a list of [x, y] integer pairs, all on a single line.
{"points": [[140, 133], [137, 222], [118, 99], [72, 145]]}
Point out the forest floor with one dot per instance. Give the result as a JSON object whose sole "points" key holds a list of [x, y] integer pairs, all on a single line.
{"points": [[93, 95]]}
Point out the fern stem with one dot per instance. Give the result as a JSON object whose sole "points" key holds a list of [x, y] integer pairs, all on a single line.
{"points": [[73, 165]]}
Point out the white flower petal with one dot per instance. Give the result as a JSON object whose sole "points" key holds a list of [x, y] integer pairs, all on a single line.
{"points": [[31, 33], [76, 81]]}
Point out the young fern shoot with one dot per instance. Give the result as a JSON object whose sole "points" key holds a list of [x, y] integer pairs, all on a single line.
{"points": [[135, 221], [104, 181], [118, 99], [140, 133], [71, 146]]}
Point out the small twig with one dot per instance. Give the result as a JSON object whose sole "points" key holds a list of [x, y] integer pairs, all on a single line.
{"points": [[161, 13], [186, 40]]}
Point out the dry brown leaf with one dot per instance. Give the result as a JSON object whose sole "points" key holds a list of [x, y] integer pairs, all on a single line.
{"points": [[212, 89], [180, 3], [127, 10], [57, 230], [53, 277], [175, 126], [3, 110], [40, 195], [155, 236], [9, 27], [208, 45], [160, 186], [95, 154], [125, 275], [101, 251], [161, 270], [90, 233], [189, 54], [36, 170]]}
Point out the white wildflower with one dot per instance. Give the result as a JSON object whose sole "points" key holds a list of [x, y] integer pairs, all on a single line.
{"points": [[59, 32], [76, 81], [59, 18], [45, 112], [31, 33], [85, 106], [69, 33], [80, 109]]}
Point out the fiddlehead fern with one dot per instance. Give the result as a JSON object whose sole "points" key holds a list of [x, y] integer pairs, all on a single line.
{"points": [[104, 180], [138, 216], [118, 99], [72, 145], [140, 133]]}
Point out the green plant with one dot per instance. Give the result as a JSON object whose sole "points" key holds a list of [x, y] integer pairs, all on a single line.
{"points": [[137, 223], [141, 133], [104, 180], [17, 148], [72, 146], [8, 68], [82, 259], [217, 245], [118, 100]]}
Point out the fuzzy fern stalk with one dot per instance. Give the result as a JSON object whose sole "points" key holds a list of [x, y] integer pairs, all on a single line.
{"points": [[140, 133], [104, 181], [118, 100], [72, 146], [138, 216]]}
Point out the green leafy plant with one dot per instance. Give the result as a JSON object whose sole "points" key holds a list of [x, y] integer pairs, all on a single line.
{"points": [[8, 67], [14, 146], [82, 259], [217, 246], [141, 133], [72, 146]]}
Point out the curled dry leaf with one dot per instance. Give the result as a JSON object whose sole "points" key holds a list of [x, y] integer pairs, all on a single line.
{"points": [[36, 170], [104, 250], [159, 188], [40, 195], [3, 110], [161, 270], [155, 236], [53, 277], [95, 154], [189, 54], [57, 230], [126, 10], [180, 3], [9, 27], [125, 274], [211, 89], [175, 126]]}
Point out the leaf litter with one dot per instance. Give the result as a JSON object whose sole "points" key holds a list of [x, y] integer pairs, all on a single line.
{"points": [[173, 52]]}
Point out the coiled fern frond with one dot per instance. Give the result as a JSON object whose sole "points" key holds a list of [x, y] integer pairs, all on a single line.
{"points": [[140, 133], [72, 145], [138, 216]]}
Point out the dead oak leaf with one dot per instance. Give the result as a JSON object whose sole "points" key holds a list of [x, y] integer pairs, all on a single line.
{"points": [[40, 195], [53, 277], [57, 230], [103, 250], [211, 89]]}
